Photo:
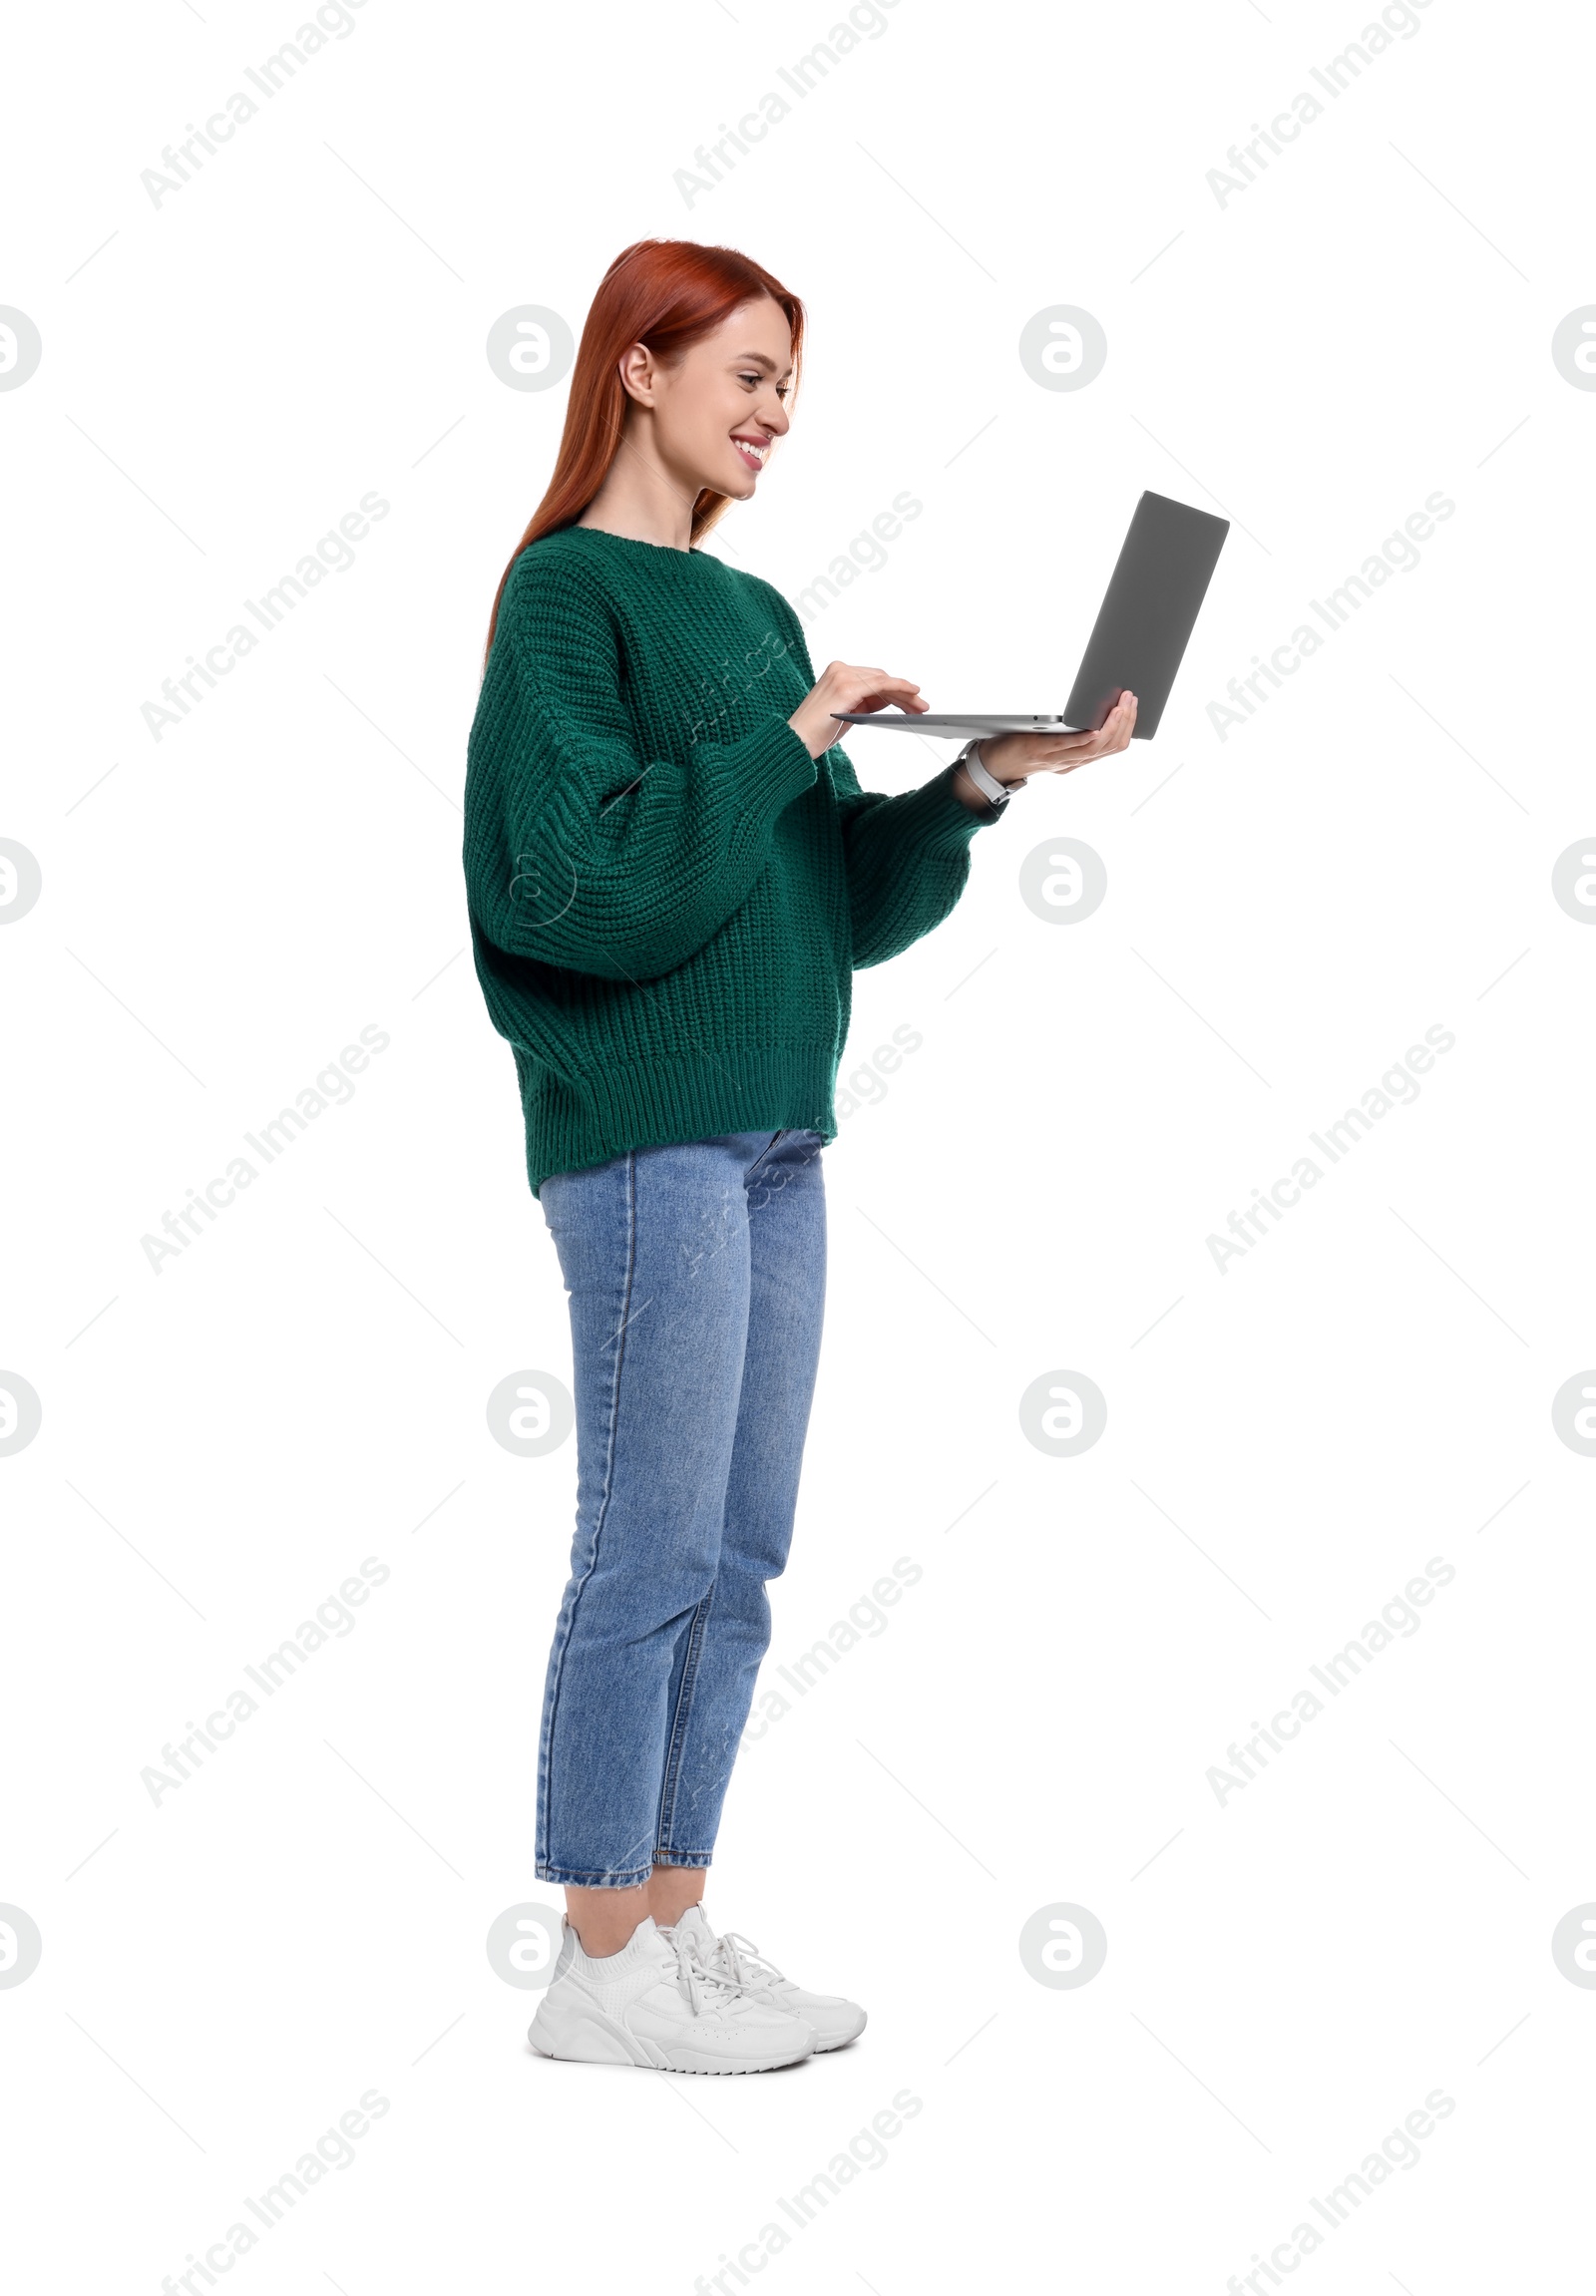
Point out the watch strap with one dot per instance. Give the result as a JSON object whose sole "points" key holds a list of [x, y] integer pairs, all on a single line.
{"points": [[995, 791]]}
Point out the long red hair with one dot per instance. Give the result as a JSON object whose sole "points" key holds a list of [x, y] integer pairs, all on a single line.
{"points": [[667, 294]]}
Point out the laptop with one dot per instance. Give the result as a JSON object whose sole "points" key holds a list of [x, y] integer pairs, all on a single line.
{"points": [[1148, 613]]}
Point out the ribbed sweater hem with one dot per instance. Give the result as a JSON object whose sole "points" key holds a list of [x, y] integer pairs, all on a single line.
{"points": [[695, 1096]]}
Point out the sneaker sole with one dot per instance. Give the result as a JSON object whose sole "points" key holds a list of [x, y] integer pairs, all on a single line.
{"points": [[592, 2038], [841, 2040]]}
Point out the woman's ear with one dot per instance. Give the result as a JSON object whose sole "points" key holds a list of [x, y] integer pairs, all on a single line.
{"points": [[638, 374]]}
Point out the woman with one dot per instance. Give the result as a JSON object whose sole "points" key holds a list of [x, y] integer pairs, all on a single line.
{"points": [[671, 873]]}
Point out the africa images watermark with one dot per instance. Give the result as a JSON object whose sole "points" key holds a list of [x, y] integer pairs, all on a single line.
{"points": [[179, 164], [332, 554], [1398, 2150], [1247, 162], [1398, 1086], [1399, 553], [712, 163], [863, 1087], [336, 1617], [331, 1088], [1399, 1615], [867, 1618], [866, 2150], [866, 553], [717, 698], [545, 882], [334, 2148]]}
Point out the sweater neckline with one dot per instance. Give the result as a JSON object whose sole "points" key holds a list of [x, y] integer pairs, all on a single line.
{"points": [[632, 543]]}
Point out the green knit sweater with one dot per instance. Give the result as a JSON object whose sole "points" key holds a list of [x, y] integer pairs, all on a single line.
{"points": [[667, 894]]}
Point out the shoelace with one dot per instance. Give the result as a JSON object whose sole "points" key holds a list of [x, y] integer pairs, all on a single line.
{"points": [[706, 1988], [738, 1960]]}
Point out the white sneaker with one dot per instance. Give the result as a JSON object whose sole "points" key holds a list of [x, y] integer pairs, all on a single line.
{"points": [[834, 2019], [654, 2003]]}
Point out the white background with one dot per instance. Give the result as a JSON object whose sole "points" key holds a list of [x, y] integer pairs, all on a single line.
{"points": [[1288, 1442]]}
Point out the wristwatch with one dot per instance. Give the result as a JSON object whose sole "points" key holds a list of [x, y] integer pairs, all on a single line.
{"points": [[997, 793]]}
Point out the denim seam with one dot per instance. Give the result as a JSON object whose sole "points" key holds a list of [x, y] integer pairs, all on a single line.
{"points": [[682, 1715], [629, 1877], [547, 1749]]}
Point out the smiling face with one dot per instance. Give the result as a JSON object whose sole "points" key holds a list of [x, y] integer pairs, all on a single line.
{"points": [[718, 411]]}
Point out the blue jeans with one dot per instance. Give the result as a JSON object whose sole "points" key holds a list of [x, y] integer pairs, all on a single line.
{"points": [[696, 1273]]}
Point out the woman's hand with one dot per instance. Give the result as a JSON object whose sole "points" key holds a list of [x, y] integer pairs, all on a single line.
{"points": [[1017, 756], [841, 685]]}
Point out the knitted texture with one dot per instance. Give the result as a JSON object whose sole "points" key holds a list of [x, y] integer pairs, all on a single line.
{"points": [[667, 894]]}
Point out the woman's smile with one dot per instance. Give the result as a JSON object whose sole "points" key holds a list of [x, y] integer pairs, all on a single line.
{"points": [[753, 448]]}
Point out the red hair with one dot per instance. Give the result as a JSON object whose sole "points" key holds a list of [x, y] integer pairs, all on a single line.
{"points": [[667, 294]]}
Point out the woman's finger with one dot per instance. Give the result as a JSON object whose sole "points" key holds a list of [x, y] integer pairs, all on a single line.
{"points": [[910, 703], [880, 682]]}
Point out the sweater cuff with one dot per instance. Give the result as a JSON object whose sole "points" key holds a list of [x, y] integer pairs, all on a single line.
{"points": [[937, 819], [763, 774]]}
